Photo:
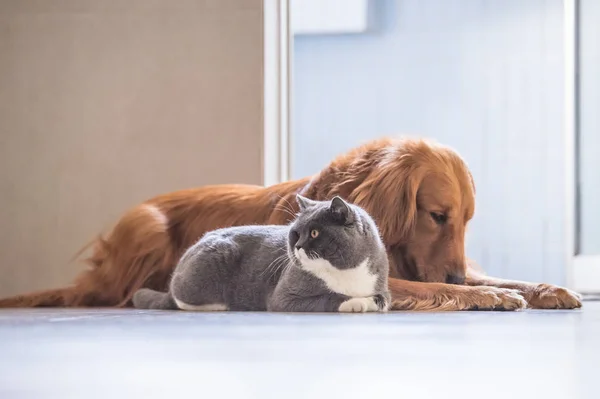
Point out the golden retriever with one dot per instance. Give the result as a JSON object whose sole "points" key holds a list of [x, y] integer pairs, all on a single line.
{"points": [[420, 193]]}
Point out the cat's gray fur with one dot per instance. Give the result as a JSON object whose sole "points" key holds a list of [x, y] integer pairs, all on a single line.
{"points": [[256, 268]]}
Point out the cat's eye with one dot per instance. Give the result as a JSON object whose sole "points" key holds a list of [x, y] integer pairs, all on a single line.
{"points": [[439, 218], [314, 233]]}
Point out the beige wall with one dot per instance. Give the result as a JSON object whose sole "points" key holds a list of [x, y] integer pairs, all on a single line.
{"points": [[106, 103]]}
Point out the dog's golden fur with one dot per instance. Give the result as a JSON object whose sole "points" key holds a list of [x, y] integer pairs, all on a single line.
{"points": [[421, 195]]}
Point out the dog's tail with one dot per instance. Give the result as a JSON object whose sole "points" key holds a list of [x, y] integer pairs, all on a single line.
{"points": [[48, 298], [137, 253]]}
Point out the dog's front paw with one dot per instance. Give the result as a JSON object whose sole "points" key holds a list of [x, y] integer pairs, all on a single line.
{"points": [[359, 305], [493, 298], [546, 296]]}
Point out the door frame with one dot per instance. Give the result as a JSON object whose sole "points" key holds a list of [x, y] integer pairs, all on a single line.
{"points": [[277, 52], [583, 271]]}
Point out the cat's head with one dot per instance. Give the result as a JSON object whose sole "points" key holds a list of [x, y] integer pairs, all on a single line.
{"points": [[336, 231]]}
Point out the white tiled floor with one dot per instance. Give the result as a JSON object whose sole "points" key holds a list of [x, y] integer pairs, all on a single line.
{"points": [[114, 354]]}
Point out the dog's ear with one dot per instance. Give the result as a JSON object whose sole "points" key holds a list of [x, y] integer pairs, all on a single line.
{"points": [[389, 195], [304, 202]]}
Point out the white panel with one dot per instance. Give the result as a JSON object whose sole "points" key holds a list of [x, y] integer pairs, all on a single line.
{"points": [[586, 274], [328, 16]]}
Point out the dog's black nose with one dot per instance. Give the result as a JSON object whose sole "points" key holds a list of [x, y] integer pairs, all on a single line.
{"points": [[455, 279]]}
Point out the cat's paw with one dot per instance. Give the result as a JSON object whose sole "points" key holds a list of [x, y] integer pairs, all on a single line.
{"points": [[382, 302], [359, 305]]}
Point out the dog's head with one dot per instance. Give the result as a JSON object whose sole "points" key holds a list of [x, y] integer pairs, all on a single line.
{"points": [[422, 195]]}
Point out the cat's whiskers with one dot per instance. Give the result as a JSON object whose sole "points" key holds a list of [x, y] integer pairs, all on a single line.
{"points": [[282, 207], [288, 266], [279, 262], [274, 263], [342, 256], [283, 265], [289, 204]]}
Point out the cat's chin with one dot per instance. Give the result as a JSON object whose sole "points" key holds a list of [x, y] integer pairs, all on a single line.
{"points": [[301, 256], [307, 262]]}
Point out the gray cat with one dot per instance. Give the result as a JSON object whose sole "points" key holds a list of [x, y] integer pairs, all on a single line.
{"points": [[330, 259]]}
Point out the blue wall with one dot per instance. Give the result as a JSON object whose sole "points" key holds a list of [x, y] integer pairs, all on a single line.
{"points": [[484, 76]]}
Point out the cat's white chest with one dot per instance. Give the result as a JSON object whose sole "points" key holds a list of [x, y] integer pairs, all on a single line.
{"points": [[355, 282]]}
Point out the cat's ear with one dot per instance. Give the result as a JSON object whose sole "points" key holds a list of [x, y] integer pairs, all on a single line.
{"points": [[341, 209], [304, 202]]}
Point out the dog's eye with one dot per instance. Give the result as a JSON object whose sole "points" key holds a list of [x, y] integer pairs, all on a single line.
{"points": [[314, 233], [439, 218]]}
